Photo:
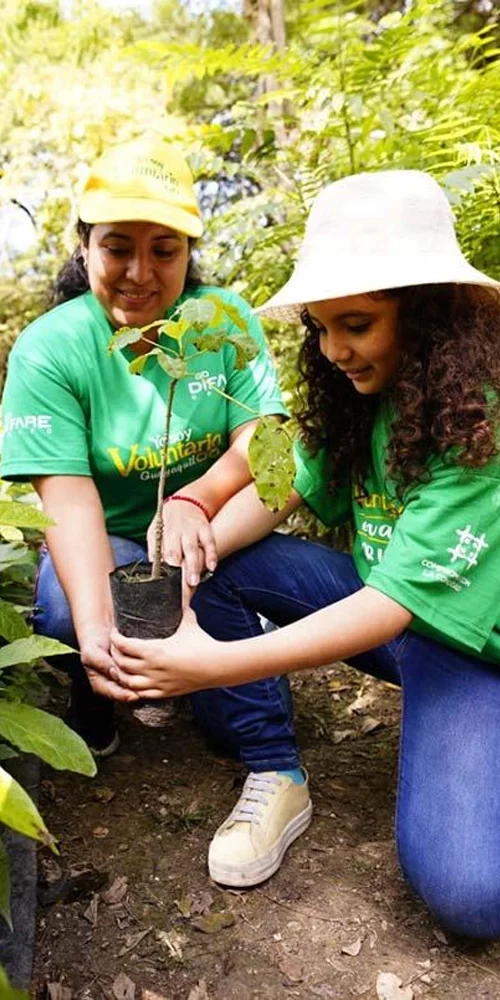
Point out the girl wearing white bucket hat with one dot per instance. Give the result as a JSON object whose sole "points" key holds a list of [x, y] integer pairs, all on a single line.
{"points": [[400, 380]]}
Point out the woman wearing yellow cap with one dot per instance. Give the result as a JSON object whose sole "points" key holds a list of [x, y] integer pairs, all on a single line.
{"points": [[89, 436]]}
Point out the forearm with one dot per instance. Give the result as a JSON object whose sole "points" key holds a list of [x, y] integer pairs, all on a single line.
{"points": [[245, 519], [229, 474], [363, 621], [79, 547]]}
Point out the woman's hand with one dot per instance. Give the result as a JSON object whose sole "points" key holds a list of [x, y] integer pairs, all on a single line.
{"points": [[96, 658], [188, 540], [161, 668]]}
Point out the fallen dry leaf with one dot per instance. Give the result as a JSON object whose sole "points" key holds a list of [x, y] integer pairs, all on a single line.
{"points": [[389, 987], [361, 703], [116, 892], [292, 968], [132, 940], [369, 723], [90, 913], [353, 948], [174, 942], [202, 903], [339, 735], [100, 831], [213, 922], [199, 992], [57, 991], [184, 905], [123, 988]]}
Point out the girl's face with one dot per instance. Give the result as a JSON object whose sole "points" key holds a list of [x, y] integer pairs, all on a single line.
{"points": [[360, 336], [136, 270]]}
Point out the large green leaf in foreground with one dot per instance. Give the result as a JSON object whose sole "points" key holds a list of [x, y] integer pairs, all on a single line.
{"points": [[29, 649], [7, 992], [35, 731], [20, 813], [271, 463]]}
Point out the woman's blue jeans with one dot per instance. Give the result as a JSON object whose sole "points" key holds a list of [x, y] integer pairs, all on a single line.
{"points": [[252, 721], [448, 801]]}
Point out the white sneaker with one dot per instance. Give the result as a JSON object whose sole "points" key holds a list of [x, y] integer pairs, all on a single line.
{"points": [[249, 846]]}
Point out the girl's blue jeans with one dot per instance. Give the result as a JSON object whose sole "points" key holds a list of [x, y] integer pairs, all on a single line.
{"points": [[448, 799]]}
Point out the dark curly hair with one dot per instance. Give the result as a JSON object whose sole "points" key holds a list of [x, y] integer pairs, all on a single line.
{"points": [[445, 396], [72, 279]]}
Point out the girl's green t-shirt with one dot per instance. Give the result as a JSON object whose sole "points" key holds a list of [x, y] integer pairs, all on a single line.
{"points": [[69, 408], [437, 552]]}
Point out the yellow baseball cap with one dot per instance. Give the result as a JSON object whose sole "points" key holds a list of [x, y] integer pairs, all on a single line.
{"points": [[145, 180]]}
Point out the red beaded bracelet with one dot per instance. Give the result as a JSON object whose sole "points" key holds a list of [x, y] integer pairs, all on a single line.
{"points": [[197, 503]]}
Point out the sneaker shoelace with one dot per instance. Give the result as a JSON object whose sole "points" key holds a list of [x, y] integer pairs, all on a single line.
{"points": [[255, 792]]}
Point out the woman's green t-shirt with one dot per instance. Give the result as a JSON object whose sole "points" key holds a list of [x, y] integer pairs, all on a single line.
{"points": [[69, 408], [437, 553]]}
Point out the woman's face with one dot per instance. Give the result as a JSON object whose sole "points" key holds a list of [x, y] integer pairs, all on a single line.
{"points": [[360, 336], [136, 270]]}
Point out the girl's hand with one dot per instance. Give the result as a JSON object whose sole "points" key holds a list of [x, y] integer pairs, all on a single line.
{"points": [[95, 654], [188, 540], [162, 668]]}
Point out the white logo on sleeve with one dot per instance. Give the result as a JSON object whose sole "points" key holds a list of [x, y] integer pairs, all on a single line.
{"points": [[468, 546], [37, 422]]}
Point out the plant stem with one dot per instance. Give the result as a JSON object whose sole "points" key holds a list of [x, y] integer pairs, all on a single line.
{"points": [[156, 568]]}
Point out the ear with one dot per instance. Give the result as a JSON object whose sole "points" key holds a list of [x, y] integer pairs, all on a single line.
{"points": [[84, 252]]}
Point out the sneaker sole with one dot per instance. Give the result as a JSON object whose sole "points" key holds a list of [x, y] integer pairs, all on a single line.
{"points": [[254, 872], [107, 751]]}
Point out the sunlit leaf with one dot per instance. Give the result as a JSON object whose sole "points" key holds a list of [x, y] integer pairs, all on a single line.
{"points": [[175, 367], [12, 623], [175, 328], [32, 648], [246, 349], [235, 316], [123, 337], [35, 731], [198, 312], [271, 463], [19, 812], [23, 515]]}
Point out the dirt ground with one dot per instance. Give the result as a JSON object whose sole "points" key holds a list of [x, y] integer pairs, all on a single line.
{"points": [[128, 911]]}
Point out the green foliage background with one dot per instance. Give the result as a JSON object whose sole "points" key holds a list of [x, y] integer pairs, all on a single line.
{"points": [[360, 86]]}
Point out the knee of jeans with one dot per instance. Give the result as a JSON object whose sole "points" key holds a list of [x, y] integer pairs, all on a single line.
{"points": [[55, 622], [464, 899]]}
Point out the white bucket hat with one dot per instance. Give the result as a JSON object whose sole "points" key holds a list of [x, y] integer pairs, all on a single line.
{"points": [[373, 231]]}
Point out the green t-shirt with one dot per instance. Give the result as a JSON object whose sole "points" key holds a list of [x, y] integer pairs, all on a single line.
{"points": [[437, 553], [69, 408]]}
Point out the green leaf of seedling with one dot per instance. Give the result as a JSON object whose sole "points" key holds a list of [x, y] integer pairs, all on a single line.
{"points": [[246, 349], [271, 462], [23, 515], [136, 366], [7, 992], [219, 308], [7, 753], [12, 624], [175, 367], [209, 341], [32, 648], [123, 337], [198, 312], [35, 731], [175, 328], [235, 316], [19, 812], [5, 887]]}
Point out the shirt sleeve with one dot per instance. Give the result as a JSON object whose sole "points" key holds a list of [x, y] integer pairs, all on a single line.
{"points": [[255, 385], [311, 482], [43, 424], [443, 560]]}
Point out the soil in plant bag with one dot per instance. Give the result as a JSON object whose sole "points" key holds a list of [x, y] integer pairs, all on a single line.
{"points": [[148, 609]]}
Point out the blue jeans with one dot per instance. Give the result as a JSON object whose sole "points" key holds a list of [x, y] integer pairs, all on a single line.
{"points": [[448, 801], [253, 722]]}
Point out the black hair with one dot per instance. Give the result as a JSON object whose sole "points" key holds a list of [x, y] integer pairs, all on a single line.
{"points": [[72, 278]]}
